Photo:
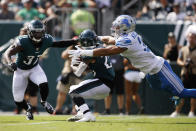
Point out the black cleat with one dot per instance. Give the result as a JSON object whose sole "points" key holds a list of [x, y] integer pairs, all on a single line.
{"points": [[48, 107], [29, 114]]}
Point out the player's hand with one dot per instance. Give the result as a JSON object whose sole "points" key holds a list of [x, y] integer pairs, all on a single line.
{"points": [[12, 66], [75, 61]]}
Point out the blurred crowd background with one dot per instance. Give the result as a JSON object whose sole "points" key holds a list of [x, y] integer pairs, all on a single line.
{"points": [[161, 22]]}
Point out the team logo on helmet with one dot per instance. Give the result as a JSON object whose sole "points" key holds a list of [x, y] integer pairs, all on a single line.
{"points": [[123, 24]]}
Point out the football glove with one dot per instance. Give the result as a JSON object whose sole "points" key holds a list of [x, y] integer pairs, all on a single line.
{"points": [[12, 66]]}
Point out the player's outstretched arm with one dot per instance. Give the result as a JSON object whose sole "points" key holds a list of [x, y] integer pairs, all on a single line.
{"points": [[111, 50], [64, 43]]}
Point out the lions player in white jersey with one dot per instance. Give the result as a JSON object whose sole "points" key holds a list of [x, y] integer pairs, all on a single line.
{"points": [[127, 42]]}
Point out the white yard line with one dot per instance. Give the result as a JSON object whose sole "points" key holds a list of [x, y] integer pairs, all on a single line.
{"points": [[23, 124]]}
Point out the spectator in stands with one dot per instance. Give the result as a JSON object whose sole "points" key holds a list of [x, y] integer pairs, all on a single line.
{"points": [[176, 14], [5, 13], [81, 20], [133, 79], [83, 3], [154, 9], [192, 15], [28, 12], [103, 3], [15, 5], [54, 16], [66, 79], [118, 85], [171, 48], [187, 60]]}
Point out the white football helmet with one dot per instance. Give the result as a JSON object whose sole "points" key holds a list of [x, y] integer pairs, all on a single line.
{"points": [[123, 24]]}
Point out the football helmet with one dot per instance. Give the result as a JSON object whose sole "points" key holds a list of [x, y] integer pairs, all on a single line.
{"points": [[36, 30], [88, 39], [123, 24]]}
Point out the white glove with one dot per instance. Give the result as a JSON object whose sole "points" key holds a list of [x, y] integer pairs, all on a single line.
{"points": [[74, 53], [75, 61], [78, 53]]}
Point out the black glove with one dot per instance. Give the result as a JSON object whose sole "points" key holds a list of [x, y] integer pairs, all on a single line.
{"points": [[12, 66]]}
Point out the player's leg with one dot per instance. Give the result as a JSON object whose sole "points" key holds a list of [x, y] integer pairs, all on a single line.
{"points": [[168, 80], [38, 77], [33, 98], [88, 89], [176, 83], [20, 81]]}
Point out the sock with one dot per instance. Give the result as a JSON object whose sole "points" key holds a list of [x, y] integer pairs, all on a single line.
{"points": [[82, 107], [44, 90], [188, 93], [78, 100], [22, 104]]}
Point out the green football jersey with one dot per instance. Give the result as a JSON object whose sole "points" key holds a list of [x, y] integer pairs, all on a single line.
{"points": [[102, 68], [29, 56]]}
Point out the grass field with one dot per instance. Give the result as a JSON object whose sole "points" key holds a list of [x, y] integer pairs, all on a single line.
{"points": [[103, 123]]}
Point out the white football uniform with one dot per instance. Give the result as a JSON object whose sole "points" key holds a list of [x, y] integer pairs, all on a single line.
{"points": [[140, 55], [20, 80]]}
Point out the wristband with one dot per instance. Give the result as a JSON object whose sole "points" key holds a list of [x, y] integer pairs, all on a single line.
{"points": [[86, 52]]}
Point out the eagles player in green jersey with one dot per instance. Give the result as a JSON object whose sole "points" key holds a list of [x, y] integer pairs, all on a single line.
{"points": [[28, 48], [97, 87]]}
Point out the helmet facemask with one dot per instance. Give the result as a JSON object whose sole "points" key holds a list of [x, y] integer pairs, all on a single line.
{"points": [[88, 44]]}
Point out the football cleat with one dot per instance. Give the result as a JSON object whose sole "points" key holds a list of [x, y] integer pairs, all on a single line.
{"points": [[29, 114], [77, 117], [87, 117], [48, 107]]}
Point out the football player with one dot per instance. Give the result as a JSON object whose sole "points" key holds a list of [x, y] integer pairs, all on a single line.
{"points": [[130, 44], [28, 49], [97, 87]]}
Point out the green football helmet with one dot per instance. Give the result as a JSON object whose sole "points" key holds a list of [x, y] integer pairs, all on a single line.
{"points": [[88, 39], [36, 30]]}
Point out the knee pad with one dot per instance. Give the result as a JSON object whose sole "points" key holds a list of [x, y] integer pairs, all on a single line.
{"points": [[18, 97]]}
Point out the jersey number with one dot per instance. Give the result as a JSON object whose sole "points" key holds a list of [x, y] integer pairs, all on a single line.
{"points": [[107, 63], [29, 60]]}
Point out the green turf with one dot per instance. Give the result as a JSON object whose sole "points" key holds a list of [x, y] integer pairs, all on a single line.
{"points": [[103, 123]]}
